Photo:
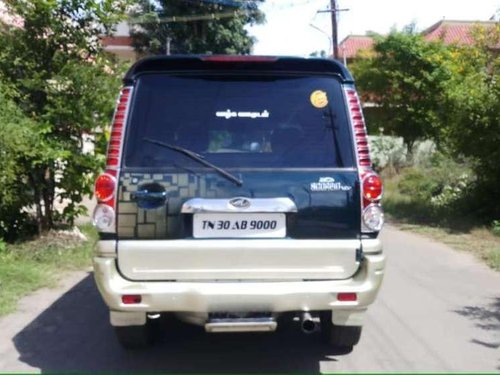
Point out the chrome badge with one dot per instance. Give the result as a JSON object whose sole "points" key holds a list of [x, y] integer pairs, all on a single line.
{"points": [[240, 202]]}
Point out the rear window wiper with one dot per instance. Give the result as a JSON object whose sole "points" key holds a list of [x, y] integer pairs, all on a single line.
{"points": [[193, 155]]}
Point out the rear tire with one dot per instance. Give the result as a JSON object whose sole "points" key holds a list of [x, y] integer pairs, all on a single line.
{"points": [[342, 338], [137, 337]]}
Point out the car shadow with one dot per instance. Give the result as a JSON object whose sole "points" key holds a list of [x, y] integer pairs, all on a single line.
{"points": [[73, 334]]}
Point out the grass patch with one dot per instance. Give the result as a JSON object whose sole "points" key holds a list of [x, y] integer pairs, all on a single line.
{"points": [[412, 213], [479, 241], [31, 265]]}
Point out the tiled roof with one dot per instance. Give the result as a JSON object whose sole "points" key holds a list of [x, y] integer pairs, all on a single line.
{"points": [[460, 32], [125, 41], [352, 44]]}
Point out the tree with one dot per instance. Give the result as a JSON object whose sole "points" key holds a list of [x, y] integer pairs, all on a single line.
{"points": [[322, 54], [21, 148], [66, 88], [404, 77], [450, 94], [201, 27], [472, 113]]}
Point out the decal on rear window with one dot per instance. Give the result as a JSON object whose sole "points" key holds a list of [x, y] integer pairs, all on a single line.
{"points": [[227, 114], [329, 184], [319, 99]]}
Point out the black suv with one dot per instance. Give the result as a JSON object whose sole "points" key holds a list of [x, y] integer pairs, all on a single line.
{"points": [[238, 190]]}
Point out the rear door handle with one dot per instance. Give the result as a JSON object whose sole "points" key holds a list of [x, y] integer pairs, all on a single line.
{"points": [[148, 195], [147, 199]]}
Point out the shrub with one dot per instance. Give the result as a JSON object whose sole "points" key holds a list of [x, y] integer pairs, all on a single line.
{"points": [[387, 153], [20, 149], [495, 227], [435, 193], [472, 114]]}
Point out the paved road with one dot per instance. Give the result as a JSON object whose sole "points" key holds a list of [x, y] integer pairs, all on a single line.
{"points": [[439, 310]]}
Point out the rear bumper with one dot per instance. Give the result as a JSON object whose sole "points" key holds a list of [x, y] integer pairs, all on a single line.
{"points": [[275, 296]]}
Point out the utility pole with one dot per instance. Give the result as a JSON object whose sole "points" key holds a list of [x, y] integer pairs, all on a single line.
{"points": [[167, 46], [335, 39]]}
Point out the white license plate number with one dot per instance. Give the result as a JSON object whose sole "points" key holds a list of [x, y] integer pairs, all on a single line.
{"points": [[239, 225]]}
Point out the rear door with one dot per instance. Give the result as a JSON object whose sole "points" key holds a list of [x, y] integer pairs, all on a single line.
{"points": [[290, 208]]}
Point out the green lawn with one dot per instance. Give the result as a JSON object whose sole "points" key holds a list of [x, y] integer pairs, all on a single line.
{"points": [[28, 266]]}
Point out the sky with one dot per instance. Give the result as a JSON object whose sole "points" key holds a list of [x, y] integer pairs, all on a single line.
{"points": [[292, 25]]}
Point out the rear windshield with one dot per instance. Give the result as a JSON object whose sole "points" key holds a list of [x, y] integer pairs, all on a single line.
{"points": [[239, 122]]}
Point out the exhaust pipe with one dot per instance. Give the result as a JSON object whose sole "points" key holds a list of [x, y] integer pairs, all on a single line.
{"points": [[308, 324]]}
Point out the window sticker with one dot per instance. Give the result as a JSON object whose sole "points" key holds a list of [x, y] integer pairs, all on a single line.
{"points": [[319, 99], [329, 184], [228, 114]]}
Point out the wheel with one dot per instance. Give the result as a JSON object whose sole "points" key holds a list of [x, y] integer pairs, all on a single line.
{"points": [[340, 337], [137, 337]]}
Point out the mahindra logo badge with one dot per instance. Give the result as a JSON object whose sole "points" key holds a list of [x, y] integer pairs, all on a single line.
{"points": [[240, 203]]}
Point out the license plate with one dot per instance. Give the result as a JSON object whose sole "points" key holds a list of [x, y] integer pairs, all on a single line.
{"points": [[239, 225]]}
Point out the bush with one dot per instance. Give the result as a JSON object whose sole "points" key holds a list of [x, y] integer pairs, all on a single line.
{"points": [[387, 153], [67, 88], [495, 227], [435, 193], [472, 110], [20, 149], [447, 93]]}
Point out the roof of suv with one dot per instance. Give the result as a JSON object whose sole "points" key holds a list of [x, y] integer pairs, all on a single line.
{"points": [[237, 62]]}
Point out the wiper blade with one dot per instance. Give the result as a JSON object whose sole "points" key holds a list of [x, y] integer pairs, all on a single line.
{"points": [[193, 155]]}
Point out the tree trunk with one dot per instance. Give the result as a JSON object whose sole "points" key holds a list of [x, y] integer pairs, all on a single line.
{"points": [[43, 198], [48, 198], [38, 202], [409, 151]]}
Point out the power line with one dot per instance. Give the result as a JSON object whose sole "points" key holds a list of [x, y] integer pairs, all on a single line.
{"points": [[281, 7], [217, 15], [249, 4], [201, 17]]}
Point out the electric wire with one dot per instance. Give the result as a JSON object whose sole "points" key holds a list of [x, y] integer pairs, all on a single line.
{"points": [[247, 11]]}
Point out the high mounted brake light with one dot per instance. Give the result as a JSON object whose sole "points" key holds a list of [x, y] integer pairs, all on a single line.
{"points": [[372, 214], [239, 58], [106, 185]]}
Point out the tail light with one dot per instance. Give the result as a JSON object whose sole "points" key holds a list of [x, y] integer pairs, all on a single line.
{"points": [[347, 297], [106, 185], [131, 299], [359, 128], [371, 185]]}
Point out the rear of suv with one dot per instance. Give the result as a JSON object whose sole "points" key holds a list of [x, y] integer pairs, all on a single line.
{"points": [[238, 190]]}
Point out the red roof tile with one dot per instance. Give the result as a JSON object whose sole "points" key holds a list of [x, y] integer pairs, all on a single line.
{"points": [[449, 32], [460, 32], [117, 41], [352, 44]]}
